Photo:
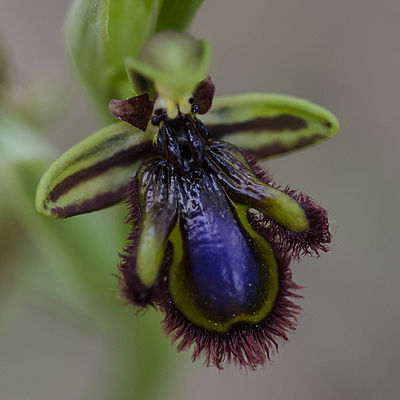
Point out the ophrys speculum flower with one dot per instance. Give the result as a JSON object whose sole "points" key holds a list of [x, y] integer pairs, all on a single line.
{"points": [[212, 236]]}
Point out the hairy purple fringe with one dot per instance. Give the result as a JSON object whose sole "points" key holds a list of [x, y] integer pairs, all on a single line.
{"points": [[245, 345], [318, 236]]}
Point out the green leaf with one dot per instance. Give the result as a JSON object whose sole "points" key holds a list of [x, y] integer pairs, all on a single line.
{"points": [[177, 14], [100, 35], [94, 173], [269, 124]]}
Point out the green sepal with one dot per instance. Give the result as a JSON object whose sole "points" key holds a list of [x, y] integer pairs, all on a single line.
{"points": [[94, 173], [150, 254], [100, 35], [175, 61], [269, 124], [158, 204]]}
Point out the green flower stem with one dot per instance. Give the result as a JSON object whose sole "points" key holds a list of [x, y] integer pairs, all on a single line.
{"points": [[70, 269], [177, 14], [140, 351]]}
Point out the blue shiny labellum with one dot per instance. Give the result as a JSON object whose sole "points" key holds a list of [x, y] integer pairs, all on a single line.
{"points": [[223, 268]]}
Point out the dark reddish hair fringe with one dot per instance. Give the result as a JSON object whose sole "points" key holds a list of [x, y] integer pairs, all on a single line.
{"points": [[318, 236]]}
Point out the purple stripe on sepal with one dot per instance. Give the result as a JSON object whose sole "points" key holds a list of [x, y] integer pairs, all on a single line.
{"points": [[98, 202], [277, 147], [121, 159], [274, 124]]}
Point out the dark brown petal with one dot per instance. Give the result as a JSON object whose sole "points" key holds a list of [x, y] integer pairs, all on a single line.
{"points": [[203, 95], [136, 110]]}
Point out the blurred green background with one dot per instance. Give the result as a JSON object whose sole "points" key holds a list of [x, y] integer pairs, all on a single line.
{"points": [[62, 333]]}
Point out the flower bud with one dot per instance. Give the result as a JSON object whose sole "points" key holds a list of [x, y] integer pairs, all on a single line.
{"points": [[174, 62]]}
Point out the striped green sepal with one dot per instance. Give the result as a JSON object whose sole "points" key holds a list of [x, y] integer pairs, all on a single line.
{"points": [[94, 173], [269, 124]]}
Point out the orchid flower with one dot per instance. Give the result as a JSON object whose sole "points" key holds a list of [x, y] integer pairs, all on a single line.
{"points": [[212, 235]]}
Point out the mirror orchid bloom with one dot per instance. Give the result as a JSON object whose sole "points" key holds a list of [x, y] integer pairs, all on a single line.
{"points": [[212, 235]]}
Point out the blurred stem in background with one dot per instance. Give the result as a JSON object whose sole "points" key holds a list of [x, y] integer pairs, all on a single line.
{"points": [[69, 265]]}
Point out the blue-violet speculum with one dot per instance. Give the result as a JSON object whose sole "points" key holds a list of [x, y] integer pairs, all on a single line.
{"points": [[212, 236]]}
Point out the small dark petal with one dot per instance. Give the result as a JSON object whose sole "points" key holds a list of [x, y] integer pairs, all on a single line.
{"points": [[203, 95], [316, 239], [136, 110], [245, 345]]}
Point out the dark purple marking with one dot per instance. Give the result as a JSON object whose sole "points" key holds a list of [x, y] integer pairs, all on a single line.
{"points": [[278, 148], [123, 158], [98, 202], [203, 95], [136, 110], [273, 124]]}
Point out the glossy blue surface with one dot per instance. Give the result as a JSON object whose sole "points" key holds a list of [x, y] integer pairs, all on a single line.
{"points": [[223, 267]]}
